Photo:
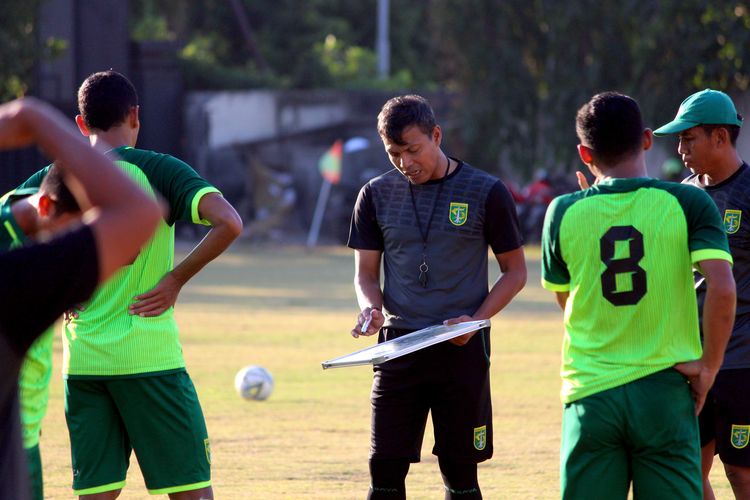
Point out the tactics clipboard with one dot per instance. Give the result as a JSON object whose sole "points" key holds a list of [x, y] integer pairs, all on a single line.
{"points": [[392, 349]]}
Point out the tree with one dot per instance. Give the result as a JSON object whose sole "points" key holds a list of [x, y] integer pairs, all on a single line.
{"points": [[19, 47], [525, 66], [310, 44]]}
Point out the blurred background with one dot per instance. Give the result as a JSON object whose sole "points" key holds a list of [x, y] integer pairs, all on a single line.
{"points": [[275, 101]]}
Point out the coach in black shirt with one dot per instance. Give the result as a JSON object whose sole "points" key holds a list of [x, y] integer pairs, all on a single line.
{"points": [[431, 220]]}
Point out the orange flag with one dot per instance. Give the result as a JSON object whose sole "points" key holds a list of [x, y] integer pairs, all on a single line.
{"points": [[330, 163]]}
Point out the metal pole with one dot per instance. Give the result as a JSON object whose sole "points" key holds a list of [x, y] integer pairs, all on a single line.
{"points": [[383, 42], [320, 208]]}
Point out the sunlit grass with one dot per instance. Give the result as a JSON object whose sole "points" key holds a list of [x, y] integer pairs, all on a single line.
{"points": [[288, 310]]}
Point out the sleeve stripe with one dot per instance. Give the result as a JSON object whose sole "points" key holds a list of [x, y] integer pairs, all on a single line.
{"points": [[556, 287], [196, 200], [710, 254]]}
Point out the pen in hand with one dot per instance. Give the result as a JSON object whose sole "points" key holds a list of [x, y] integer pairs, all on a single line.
{"points": [[366, 324]]}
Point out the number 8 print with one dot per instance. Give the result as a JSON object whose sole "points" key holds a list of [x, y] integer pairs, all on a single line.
{"points": [[628, 265]]}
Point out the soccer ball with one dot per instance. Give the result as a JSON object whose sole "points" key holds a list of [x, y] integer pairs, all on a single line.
{"points": [[253, 382]]}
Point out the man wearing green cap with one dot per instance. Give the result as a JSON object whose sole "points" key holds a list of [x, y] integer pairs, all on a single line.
{"points": [[707, 126]]}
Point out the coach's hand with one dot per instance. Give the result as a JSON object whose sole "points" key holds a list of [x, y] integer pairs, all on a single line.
{"points": [[700, 377], [158, 299], [463, 339], [369, 322]]}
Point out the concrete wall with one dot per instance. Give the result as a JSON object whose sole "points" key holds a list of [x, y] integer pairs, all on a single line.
{"points": [[235, 138], [251, 117], [254, 116], [250, 143]]}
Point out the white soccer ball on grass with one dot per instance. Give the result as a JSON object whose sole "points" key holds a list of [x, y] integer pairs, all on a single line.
{"points": [[254, 382]]}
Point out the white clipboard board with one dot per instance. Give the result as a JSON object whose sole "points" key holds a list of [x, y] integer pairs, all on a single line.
{"points": [[395, 348]]}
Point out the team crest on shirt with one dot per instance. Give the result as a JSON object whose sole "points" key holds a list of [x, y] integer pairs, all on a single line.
{"points": [[207, 445], [480, 437], [740, 435], [458, 213], [732, 219]]}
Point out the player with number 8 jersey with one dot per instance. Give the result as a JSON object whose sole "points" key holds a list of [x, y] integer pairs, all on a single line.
{"points": [[619, 257], [644, 258]]}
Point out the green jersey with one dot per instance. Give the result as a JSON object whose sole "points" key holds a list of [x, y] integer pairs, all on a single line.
{"points": [[11, 235], [36, 369], [624, 250], [106, 341]]}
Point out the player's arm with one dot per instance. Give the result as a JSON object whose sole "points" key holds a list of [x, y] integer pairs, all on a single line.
{"points": [[718, 320], [226, 226], [562, 299], [503, 232], [120, 214], [511, 281], [369, 293]]}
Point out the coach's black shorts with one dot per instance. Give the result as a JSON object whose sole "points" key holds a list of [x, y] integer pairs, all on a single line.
{"points": [[451, 381], [726, 417]]}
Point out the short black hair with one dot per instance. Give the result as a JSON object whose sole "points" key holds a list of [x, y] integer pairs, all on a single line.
{"points": [[105, 99], [611, 125], [732, 130], [54, 186], [401, 113]]}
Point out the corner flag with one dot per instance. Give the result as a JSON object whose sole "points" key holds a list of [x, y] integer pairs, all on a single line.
{"points": [[330, 163]]}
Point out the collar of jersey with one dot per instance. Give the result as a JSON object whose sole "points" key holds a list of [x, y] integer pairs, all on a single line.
{"points": [[623, 184], [727, 180], [118, 149]]}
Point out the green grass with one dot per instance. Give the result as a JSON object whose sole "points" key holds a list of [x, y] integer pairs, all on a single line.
{"points": [[288, 310]]}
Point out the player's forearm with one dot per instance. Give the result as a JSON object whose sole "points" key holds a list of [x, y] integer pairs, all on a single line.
{"points": [[58, 139], [718, 319], [210, 247], [226, 226], [368, 292], [562, 299], [367, 279], [501, 293]]}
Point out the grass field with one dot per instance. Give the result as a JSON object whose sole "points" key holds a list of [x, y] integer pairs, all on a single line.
{"points": [[287, 310]]}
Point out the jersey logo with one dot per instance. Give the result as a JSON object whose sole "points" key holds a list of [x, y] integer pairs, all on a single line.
{"points": [[458, 213], [480, 437], [740, 434], [207, 445], [732, 219]]}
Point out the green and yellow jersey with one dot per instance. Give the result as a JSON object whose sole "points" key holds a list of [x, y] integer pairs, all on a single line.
{"points": [[36, 369], [105, 341], [624, 249]]}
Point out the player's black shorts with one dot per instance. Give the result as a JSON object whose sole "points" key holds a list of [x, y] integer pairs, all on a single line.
{"points": [[726, 417], [451, 381]]}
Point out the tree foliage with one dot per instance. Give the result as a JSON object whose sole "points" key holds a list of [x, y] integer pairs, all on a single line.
{"points": [[19, 47], [292, 44], [520, 68], [525, 66]]}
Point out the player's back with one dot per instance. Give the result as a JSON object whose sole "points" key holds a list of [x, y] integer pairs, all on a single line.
{"points": [[624, 251], [105, 340]]}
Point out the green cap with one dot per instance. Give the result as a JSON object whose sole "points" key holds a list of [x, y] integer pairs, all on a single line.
{"points": [[707, 107]]}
